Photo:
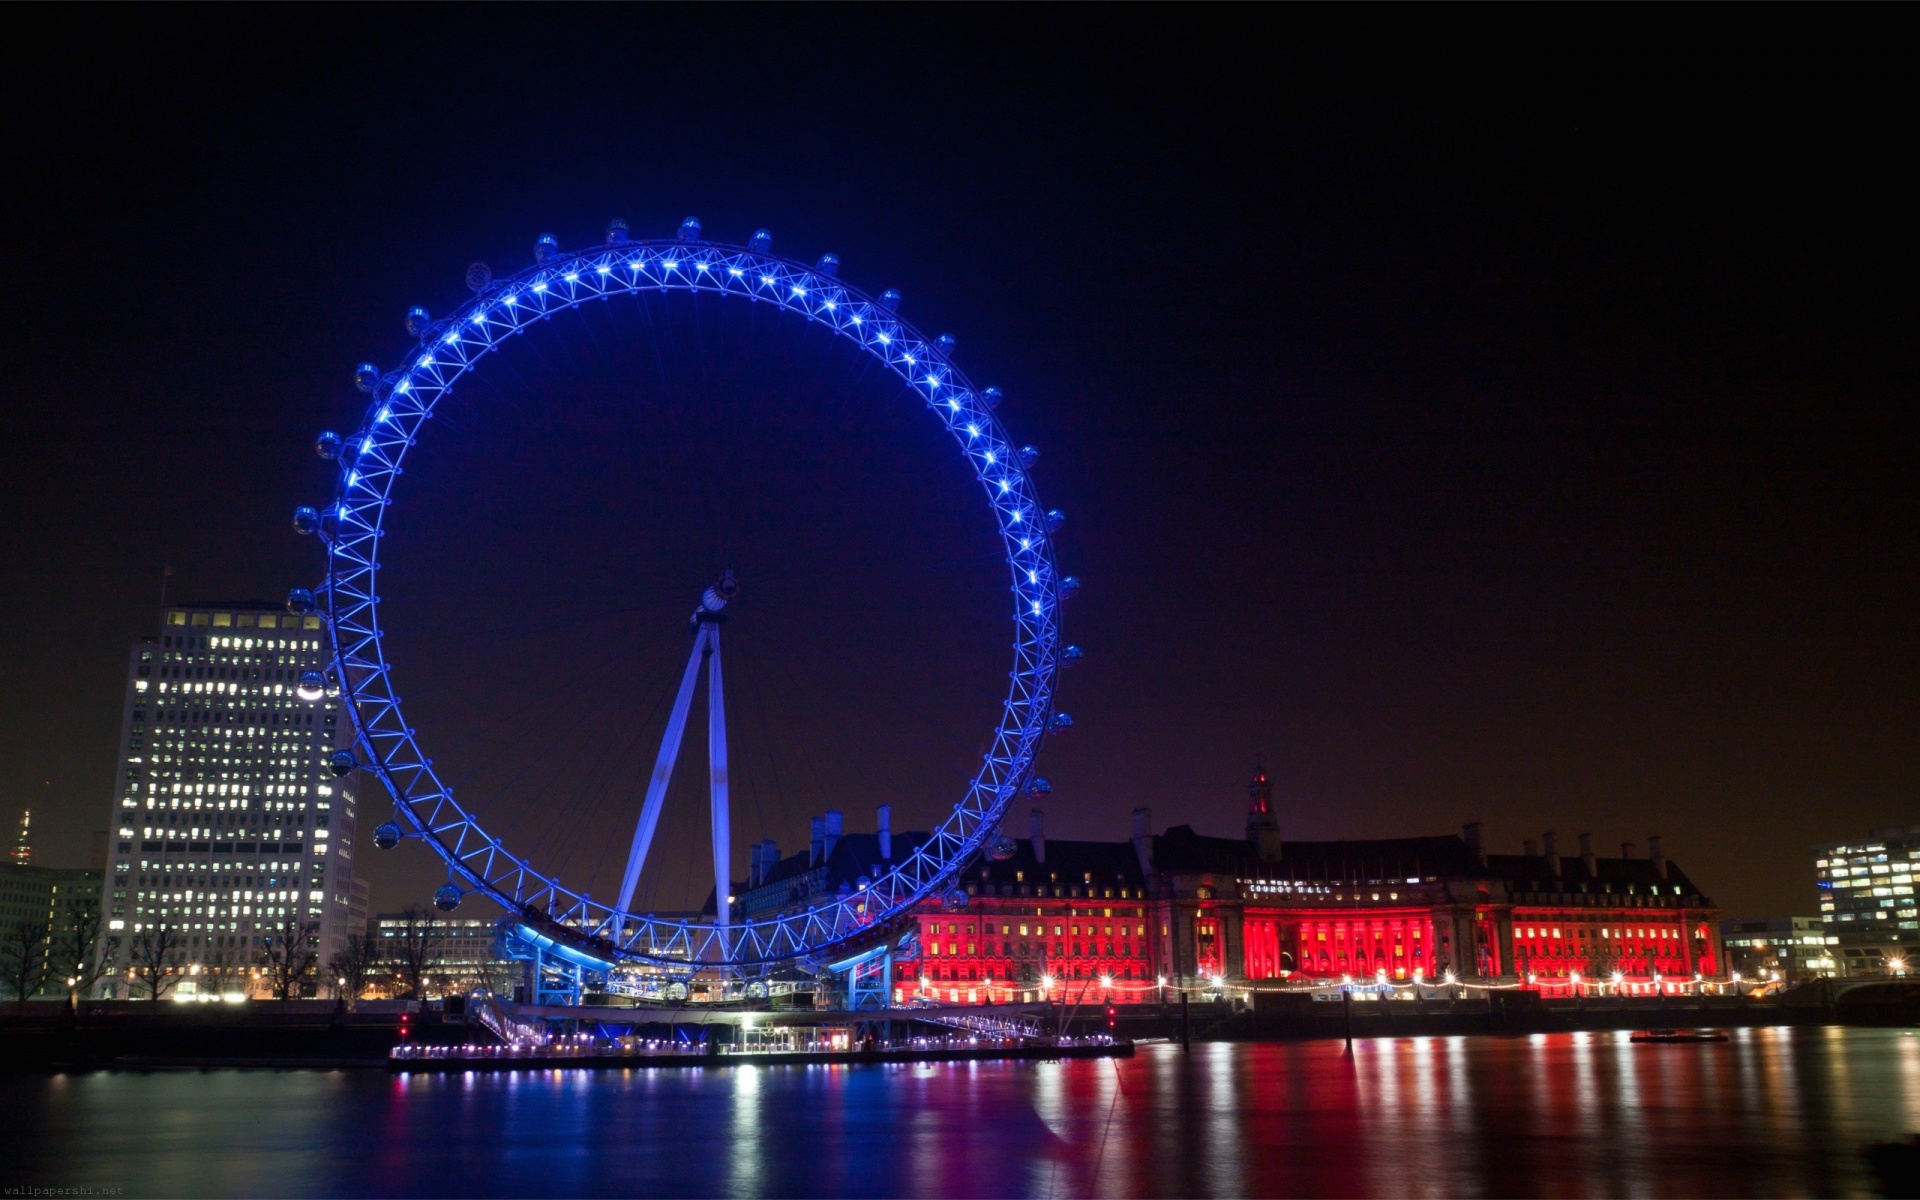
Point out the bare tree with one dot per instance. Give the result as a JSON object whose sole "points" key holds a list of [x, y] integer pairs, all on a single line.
{"points": [[350, 966], [288, 956], [77, 956], [23, 958], [152, 958], [413, 948]]}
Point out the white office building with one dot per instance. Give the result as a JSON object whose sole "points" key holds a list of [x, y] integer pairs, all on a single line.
{"points": [[228, 818]]}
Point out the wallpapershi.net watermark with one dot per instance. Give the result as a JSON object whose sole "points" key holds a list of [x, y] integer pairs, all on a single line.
{"points": [[81, 1190]]}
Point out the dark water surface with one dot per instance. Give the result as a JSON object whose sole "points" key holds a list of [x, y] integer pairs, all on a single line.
{"points": [[1772, 1112]]}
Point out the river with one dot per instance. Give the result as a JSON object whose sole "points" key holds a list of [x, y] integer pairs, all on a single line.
{"points": [[1770, 1112]]}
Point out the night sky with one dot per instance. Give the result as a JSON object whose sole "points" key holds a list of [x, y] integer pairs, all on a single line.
{"points": [[1512, 422]]}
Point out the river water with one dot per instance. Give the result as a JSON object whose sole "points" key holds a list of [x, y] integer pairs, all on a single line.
{"points": [[1771, 1112]]}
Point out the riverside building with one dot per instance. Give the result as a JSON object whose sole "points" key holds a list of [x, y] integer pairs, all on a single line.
{"points": [[228, 821], [1125, 921], [1867, 900]]}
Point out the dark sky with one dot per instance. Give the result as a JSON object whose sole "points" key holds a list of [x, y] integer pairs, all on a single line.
{"points": [[1511, 421]]}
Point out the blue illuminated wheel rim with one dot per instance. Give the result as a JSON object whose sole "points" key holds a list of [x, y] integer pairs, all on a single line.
{"points": [[370, 466]]}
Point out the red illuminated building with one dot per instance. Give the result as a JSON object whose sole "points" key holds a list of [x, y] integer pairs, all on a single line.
{"points": [[1119, 922]]}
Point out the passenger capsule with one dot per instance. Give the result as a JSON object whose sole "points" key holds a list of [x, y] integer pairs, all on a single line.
{"points": [[366, 377], [1002, 848], [418, 321], [299, 601], [690, 229], [312, 686], [327, 445], [479, 275], [890, 300], [1029, 455], [387, 836], [617, 232], [1061, 723], [956, 898], [761, 242], [1039, 785], [829, 265], [1071, 656], [1069, 586], [546, 249], [946, 344], [1055, 519], [447, 898], [341, 761], [306, 520], [991, 398]]}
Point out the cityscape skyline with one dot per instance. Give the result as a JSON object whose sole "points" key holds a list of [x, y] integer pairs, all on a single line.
{"points": [[1511, 465]]}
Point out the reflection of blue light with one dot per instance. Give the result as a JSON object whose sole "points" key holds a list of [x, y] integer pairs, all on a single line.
{"points": [[353, 478], [734, 271], [909, 358], [954, 404], [1036, 608], [1017, 514], [831, 306], [990, 460], [451, 338], [1005, 487], [699, 266], [672, 264], [634, 265], [402, 388], [859, 321], [386, 414], [1026, 543], [604, 268], [1033, 577], [426, 360], [767, 279], [578, 958], [366, 444], [973, 431], [479, 318], [572, 278], [539, 287], [513, 299], [885, 340], [798, 290]]}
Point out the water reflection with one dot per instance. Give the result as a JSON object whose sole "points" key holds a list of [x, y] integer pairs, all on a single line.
{"points": [[1772, 1111]]}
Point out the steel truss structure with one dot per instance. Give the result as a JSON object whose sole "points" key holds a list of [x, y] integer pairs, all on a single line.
{"points": [[593, 933]]}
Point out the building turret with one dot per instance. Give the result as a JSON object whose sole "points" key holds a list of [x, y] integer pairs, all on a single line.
{"points": [[1263, 829]]}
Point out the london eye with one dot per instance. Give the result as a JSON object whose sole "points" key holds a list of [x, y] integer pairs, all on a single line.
{"points": [[564, 918]]}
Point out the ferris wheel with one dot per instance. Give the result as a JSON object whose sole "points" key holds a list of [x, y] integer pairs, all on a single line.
{"points": [[370, 464]]}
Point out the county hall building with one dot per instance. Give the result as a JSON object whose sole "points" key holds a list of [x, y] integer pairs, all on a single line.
{"points": [[1115, 921]]}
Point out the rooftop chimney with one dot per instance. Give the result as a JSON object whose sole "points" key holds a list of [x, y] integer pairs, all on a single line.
{"points": [[1039, 836], [1530, 848], [817, 839], [885, 831], [1658, 855], [1143, 839], [1551, 844], [1586, 856], [1627, 849], [832, 831], [1470, 834]]}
